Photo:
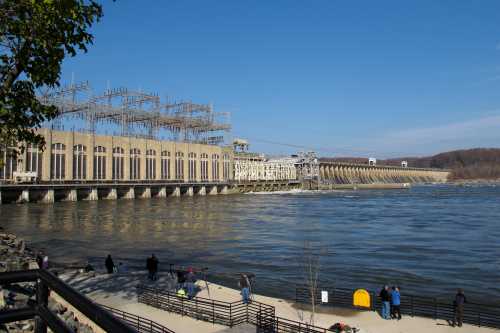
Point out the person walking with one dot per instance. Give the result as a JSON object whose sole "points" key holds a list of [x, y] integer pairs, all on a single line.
{"points": [[385, 299], [396, 303], [244, 284], [458, 305], [190, 280], [110, 265]]}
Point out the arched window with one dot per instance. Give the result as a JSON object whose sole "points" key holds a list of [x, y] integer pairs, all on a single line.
{"points": [[225, 166], [192, 166], [204, 166], [150, 164], [165, 164], [79, 162], [58, 161], [215, 167], [118, 162], [99, 162], [179, 165], [135, 163], [34, 159], [9, 164]]}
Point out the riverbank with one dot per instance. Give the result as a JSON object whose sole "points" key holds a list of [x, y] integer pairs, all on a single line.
{"points": [[118, 291], [475, 181]]}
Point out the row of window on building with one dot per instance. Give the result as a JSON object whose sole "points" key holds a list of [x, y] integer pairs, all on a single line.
{"points": [[33, 163]]}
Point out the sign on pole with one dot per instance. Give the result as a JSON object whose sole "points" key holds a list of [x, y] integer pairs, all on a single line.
{"points": [[324, 296]]}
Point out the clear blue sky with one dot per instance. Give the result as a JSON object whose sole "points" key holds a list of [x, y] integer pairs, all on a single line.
{"points": [[381, 78]]}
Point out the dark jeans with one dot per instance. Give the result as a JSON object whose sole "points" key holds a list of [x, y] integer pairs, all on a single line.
{"points": [[190, 289], [459, 315], [152, 275], [396, 311]]}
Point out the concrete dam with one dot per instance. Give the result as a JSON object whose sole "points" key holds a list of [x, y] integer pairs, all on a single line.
{"points": [[350, 173], [163, 150]]}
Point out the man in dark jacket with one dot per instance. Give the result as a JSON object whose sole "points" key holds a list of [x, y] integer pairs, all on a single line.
{"points": [[110, 265], [458, 303], [386, 305], [154, 267], [181, 279], [149, 267]]}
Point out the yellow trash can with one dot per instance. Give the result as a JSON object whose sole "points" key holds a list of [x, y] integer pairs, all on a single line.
{"points": [[361, 299]]}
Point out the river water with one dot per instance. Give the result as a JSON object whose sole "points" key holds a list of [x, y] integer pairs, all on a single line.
{"points": [[429, 239]]}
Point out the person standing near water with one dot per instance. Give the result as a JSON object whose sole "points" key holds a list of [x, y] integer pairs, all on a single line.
{"points": [[110, 265], [154, 267], [39, 259], [384, 298], [244, 284], [459, 303], [149, 267], [190, 280], [396, 303]]}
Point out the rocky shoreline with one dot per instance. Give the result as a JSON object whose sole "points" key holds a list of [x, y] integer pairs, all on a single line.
{"points": [[16, 255]]}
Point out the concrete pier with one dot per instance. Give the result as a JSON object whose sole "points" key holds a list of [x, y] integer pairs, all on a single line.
{"points": [[92, 196], [24, 197], [189, 192], [176, 192], [213, 190], [146, 193], [112, 195], [202, 191], [130, 194], [72, 195], [48, 197], [224, 190], [162, 193]]}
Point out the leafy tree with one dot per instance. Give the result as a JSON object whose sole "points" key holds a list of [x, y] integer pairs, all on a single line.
{"points": [[35, 36]]}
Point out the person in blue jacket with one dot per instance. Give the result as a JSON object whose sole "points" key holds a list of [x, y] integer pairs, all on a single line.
{"points": [[396, 303]]}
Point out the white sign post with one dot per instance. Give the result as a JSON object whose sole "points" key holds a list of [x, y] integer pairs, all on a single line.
{"points": [[324, 296]]}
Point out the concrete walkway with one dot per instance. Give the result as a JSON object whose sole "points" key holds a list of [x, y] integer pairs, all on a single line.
{"points": [[118, 291]]}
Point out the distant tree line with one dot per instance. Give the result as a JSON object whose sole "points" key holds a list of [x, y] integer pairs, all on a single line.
{"points": [[478, 163]]}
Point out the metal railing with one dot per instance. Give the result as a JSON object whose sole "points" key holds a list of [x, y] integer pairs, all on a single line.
{"points": [[411, 305], [141, 324], [283, 325], [44, 318], [225, 313], [214, 311]]}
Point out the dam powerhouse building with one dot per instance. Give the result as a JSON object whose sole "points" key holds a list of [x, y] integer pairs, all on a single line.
{"points": [[129, 144]]}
